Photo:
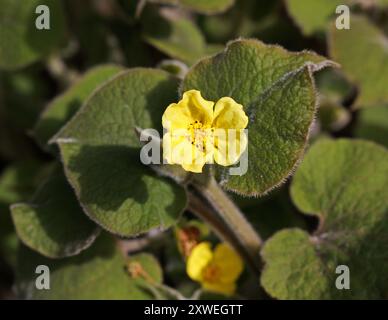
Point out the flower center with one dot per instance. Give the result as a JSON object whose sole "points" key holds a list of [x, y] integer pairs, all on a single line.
{"points": [[198, 134], [211, 273]]}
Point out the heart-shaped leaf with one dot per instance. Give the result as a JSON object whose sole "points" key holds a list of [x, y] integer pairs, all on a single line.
{"points": [[53, 223], [366, 64], [202, 6], [60, 110], [277, 91], [100, 152], [97, 273], [344, 184], [22, 42]]}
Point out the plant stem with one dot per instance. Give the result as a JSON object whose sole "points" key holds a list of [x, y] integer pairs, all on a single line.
{"points": [[210, 203]]}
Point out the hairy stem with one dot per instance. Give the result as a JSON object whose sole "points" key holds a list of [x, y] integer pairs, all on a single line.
{"points": [[210, 203]]}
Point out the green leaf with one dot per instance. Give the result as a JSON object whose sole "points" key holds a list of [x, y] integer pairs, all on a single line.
{"points": [[61, 109], [312, 16], [293, 270], [97, 273], [343, 183], [201, 6], [365, 64], [53, 223], [372, 124], [100, 151], [277, 91], [21, 42], [176, 37], [17, 183]]}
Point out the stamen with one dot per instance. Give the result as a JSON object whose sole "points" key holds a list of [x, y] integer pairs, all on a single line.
{"points": [[198, 134]]}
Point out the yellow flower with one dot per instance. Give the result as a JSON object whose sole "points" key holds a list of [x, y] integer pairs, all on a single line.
{"points": [[217, 271], [200, 131]]}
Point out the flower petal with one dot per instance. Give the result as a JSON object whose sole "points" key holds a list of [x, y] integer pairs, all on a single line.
{"points": [[175, 116], [198, 259], [229, 145], [229, 263], [191, 108], [193, 167], [175, 145], [228, 114], [177, 149]]}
